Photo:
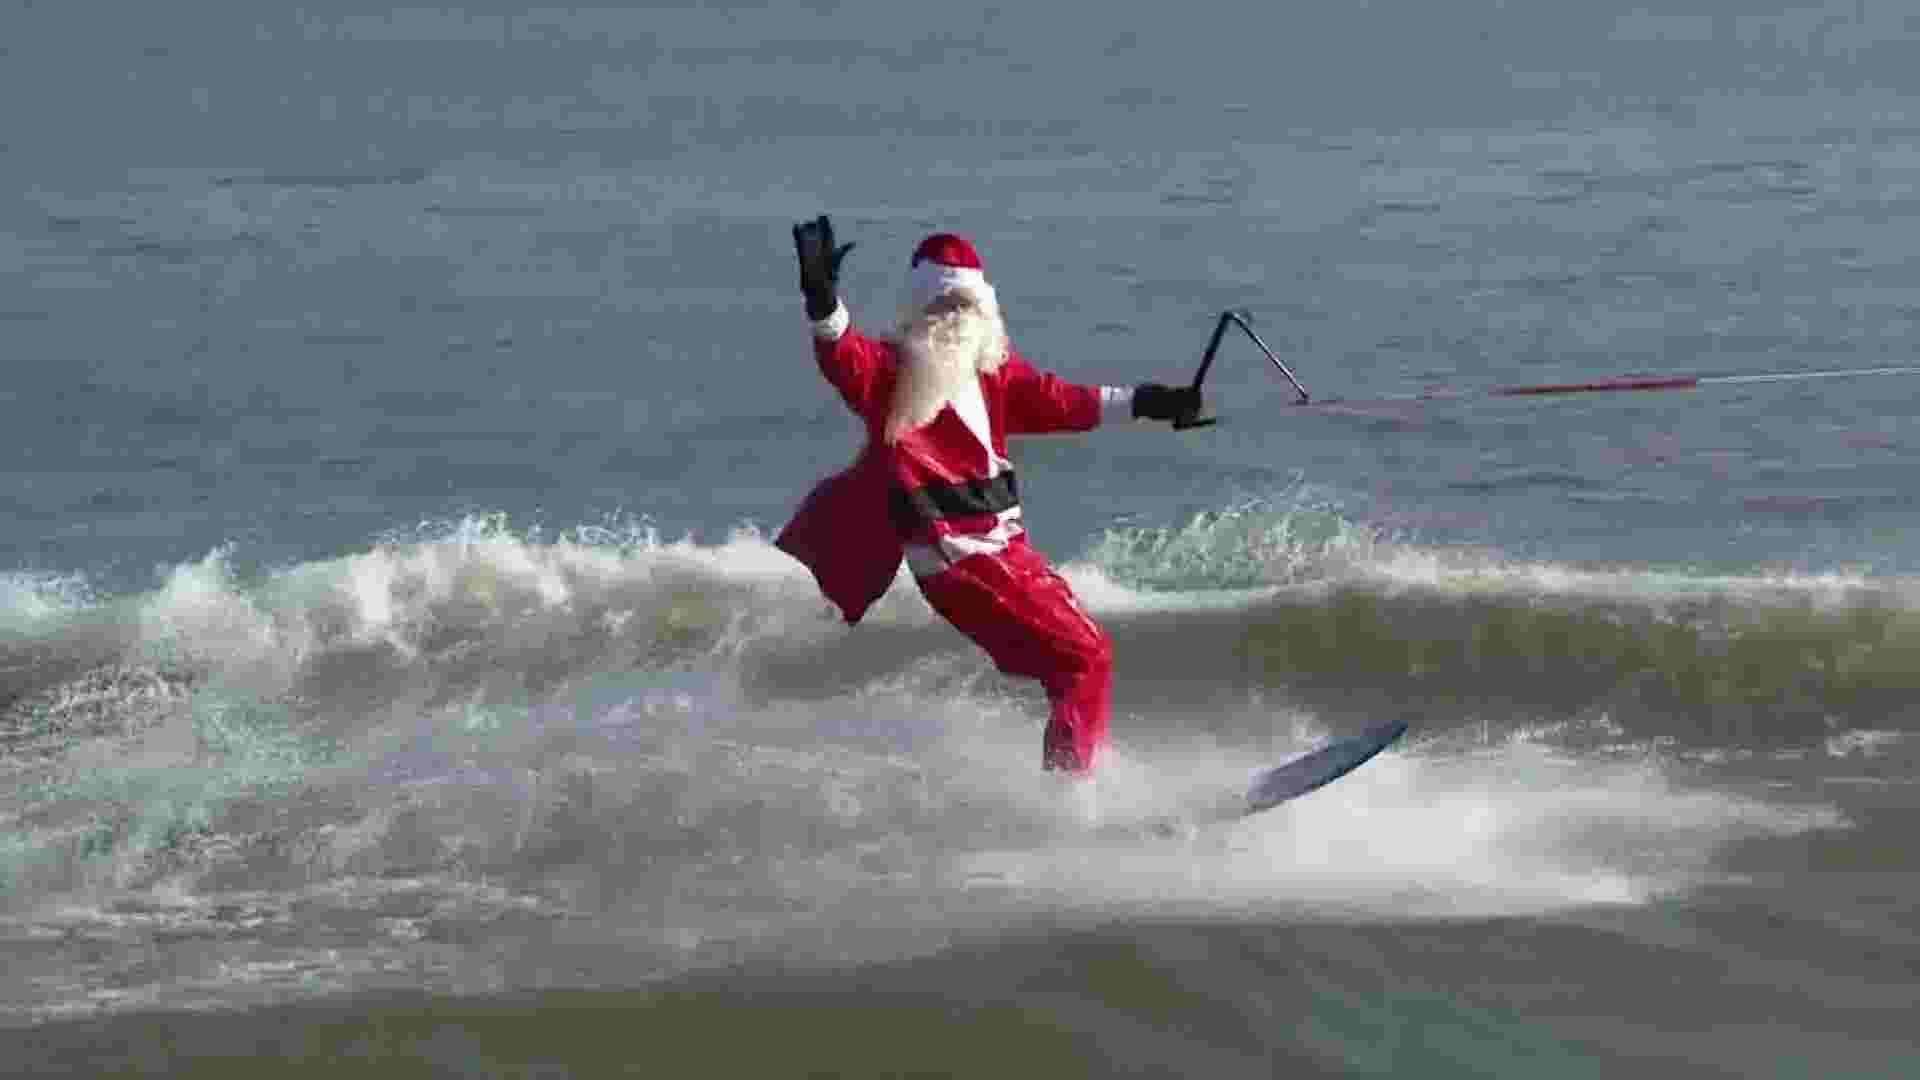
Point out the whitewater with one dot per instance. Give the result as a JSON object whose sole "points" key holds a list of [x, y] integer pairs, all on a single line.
{"points": [[478, 760]]}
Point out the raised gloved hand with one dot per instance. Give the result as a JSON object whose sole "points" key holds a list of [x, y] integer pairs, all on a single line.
{"points": [[1174, 404], [819, 265]]}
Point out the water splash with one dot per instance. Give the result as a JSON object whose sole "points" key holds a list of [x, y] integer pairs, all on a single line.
{"points": [[1251, 544]]}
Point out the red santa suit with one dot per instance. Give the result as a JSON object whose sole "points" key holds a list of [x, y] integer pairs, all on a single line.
{"points": [[941, 494]]}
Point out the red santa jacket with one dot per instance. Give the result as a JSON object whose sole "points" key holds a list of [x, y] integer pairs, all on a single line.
{"points": [[936, 494]]}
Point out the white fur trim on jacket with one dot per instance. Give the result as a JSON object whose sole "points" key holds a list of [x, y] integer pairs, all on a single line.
{"points": [[926, 560], [1116, 403], [833, 326]]}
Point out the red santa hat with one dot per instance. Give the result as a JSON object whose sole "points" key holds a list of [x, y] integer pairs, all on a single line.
{"points": [[945, 263]]}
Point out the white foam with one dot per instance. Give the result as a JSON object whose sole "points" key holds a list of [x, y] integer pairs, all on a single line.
{"points": [[1296, 537], [1103, 595], [1488, 572], [1512, 828], [28, 600], [1405, 836], [1301, 538], [448, 582], [200, 616], [474, 578], [1865, 742]]}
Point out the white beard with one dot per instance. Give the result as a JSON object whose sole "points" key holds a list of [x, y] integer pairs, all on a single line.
{"points": [[944, 349]]}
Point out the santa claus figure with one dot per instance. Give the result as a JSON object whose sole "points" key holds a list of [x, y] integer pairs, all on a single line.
{"points": [[939, 397]]}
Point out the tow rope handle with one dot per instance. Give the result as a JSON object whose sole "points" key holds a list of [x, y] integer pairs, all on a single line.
{"points": [[1244, 320]]}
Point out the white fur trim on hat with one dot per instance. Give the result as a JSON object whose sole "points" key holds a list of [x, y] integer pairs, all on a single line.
{"points": [[930, 279]]}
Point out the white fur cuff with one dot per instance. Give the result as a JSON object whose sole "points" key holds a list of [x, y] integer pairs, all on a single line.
{"points": [[834, 325], [1116, 403]]}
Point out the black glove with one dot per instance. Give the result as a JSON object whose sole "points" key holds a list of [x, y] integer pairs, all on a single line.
{"points": [[819, 265], [1151, 401]]}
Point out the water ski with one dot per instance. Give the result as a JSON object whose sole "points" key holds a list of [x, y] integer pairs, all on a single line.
{"points": [[1319, 768], [1309, 772]]}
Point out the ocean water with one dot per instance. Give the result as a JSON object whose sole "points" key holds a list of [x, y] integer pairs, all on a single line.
{"points": [[395, 674]]}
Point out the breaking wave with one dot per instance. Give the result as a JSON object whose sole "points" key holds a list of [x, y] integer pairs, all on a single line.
{"points": [[498, 759]]}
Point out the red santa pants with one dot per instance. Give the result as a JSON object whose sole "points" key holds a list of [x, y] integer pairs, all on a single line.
{"points": [[1026, 617]]}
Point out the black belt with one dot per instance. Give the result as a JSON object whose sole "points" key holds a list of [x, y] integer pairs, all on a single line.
{"points": [[912, 509]]}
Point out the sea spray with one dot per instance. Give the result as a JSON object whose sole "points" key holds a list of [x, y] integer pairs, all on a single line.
{"points": [[466, 755], [1252, 543]]}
